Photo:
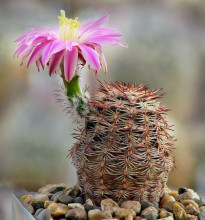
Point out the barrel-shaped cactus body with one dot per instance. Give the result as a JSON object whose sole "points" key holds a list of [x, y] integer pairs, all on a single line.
{"points": [[124, 149]]}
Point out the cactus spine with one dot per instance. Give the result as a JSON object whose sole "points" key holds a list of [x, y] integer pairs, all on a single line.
{"points": [[124, 149]]}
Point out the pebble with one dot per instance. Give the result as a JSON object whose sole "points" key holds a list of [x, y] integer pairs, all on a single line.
{"points": [[89, 202], [168, 218], [75, 205], [174, 194], [55, 196], [156, 204], [133, 205], [166, 199], [26, 197], [43, 214], [180, 214], [200, 202], [74, 191], [202, 214], [168, 205], [122, 213], [88, 207], [191, 210], [76, 213], [182, 190], [79, 200], [150, 213], [65, 199], [29, 208], [201, 208], [190, 203], [145, 204], [38, 211], [109, 204], [58, 209], [52, 188], [163, 213], [47, 203], [37, 200], [95, 214], [189, 194]]}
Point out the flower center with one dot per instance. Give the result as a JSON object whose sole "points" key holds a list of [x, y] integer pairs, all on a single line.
{"points": [[68, 27]]}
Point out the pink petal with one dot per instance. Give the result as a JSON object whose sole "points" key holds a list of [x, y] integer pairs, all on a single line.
{"points": [[102, 58], [41, 62], [93, 24], [70, 44], [37, 52], [91, 56], [105, 40], [19, 50], [55, 61], [70, 63], [37, 65], [57, 46], [46, 54]]}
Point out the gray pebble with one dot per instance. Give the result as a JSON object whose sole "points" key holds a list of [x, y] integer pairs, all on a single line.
{"points": [[65, 199], [145, 204], [52, 188], [38, 211], [74, 191], [79, 200], [29, 208], [45, 214], [202, 214], [99, 208], [150, 213], [55, 196], [156, 204], [88, 207]]}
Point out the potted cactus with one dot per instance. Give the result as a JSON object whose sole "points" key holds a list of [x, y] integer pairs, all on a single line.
{"points": [[123, 149]]}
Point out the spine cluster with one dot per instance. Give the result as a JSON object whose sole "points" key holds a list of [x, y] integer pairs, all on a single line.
{"points": [[124, 149]]}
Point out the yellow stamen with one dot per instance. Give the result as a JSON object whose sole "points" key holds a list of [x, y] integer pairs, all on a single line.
{"points": [[68, 27]]}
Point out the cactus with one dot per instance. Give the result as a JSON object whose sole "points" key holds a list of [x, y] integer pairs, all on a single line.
{"points": [[124, 149]]}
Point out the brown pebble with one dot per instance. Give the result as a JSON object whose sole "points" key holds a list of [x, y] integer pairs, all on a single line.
{"points": [[174, 194], [166, 199], [163, 213], [201, 208], [188, 202], [96, 214], [58, 209], [191, 210], [39, 198], [123, 213], [133, 205], [47, 203], [168, 218], [25, 197], [109, 204], [75, 205], [180, 214], [76, 213], [183, 196]]}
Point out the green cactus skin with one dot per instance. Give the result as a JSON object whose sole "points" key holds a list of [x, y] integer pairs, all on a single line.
{"points": [[124, 149]]}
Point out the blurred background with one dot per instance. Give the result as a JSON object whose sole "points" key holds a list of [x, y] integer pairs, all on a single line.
{"points": [[166, 50]]}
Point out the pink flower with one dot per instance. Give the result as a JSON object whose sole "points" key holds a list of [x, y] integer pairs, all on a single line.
{"points": [[70, 45]]}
